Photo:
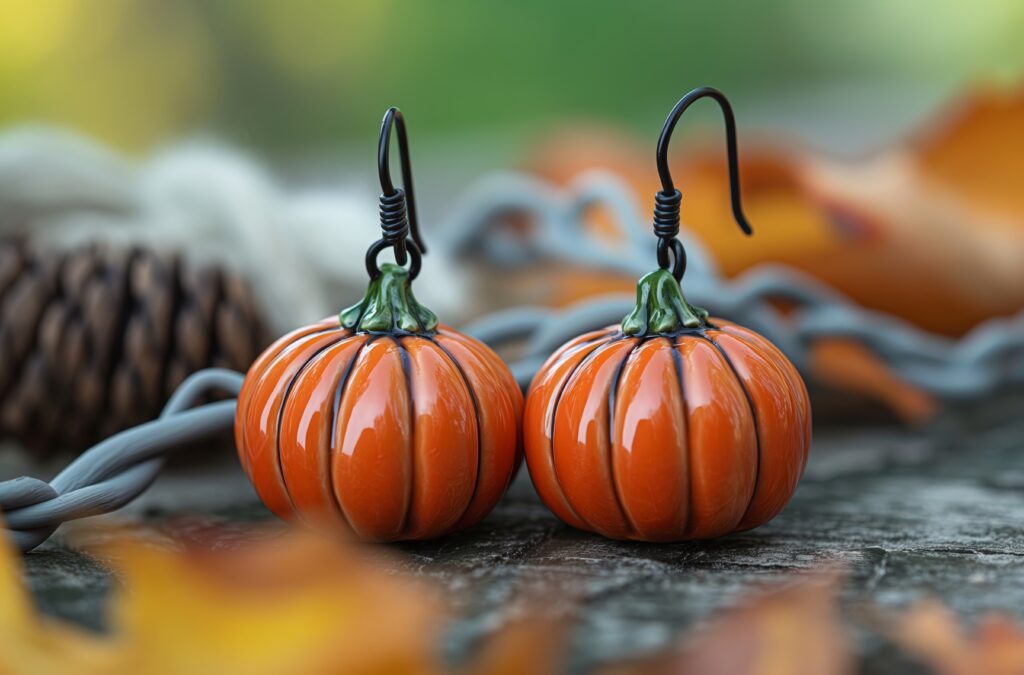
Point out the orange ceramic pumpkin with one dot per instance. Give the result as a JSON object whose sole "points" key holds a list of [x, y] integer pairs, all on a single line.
{"points": [[688, 433], [380, 422], [672, 425]]}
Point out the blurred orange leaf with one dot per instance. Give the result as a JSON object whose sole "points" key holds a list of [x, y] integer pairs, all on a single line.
{"points": [[300, 604], [793, 631], [931, 231], [975, 151], [850, 366], [32, 644], [932, 633], [535, 646], [296, 603]]}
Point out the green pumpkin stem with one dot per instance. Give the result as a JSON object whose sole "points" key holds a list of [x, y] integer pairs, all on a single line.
{"points": [[389, 306], [661, 308]]}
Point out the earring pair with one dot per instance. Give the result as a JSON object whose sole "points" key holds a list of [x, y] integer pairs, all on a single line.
{"points": [[385, 423]]}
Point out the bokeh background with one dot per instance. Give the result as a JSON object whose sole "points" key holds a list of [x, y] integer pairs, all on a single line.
{"points": [[310, 78]]}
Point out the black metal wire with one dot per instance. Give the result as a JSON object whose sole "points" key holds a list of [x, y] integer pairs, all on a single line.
{"points": [[398, 220], [667, 200], [394, 223], [666, 228], [415, 259], [678, 261]]}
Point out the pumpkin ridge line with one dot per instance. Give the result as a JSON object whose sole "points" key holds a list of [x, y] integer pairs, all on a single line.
{"points": [[299, 342], [260, 376], [493, 363], [403, 355], [554, 416], [339, 393], [778, 361], [280, 417], [753, 417], [677, 361], [608, 336], [479, 427], [612, 397]]}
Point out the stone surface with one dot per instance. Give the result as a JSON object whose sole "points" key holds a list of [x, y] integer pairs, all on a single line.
{"points": [[935, 512]]}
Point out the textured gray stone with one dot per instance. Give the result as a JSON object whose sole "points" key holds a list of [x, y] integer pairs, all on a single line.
{"points": [[935, 512]]}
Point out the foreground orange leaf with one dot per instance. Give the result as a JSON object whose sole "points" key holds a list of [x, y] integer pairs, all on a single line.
{"points": [[792, 631], [301, 604], [269, 604], [536, 646], [298, 604], [932, 633], [292, 604], [38, 646]]}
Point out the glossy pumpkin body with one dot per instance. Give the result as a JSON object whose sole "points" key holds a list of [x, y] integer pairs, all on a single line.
{"points": [[389, 436], [691, 435]]}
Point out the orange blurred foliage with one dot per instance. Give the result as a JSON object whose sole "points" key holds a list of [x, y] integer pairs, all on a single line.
{"points": [[931, 230], [293, 602], [930, 632], [792, 631]]}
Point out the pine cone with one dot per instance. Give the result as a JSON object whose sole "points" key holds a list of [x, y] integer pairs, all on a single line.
{"points": [[95, 339]]}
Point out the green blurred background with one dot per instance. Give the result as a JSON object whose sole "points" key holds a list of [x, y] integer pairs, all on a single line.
{"points": [[304, 78]]}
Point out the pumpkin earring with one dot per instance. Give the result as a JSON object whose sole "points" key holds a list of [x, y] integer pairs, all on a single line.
{"points": [[381, 421], [672, 425]]}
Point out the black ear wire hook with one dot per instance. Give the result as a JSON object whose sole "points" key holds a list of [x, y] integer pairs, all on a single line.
{"points": [[398, 221], [666, 209]]}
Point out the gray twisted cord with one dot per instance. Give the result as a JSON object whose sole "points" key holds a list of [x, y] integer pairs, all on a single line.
{"points": [[117, 470], [988, 358]]}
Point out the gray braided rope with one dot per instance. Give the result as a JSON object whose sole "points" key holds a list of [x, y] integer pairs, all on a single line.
{"points": [[117, 470], [988, 358]]}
